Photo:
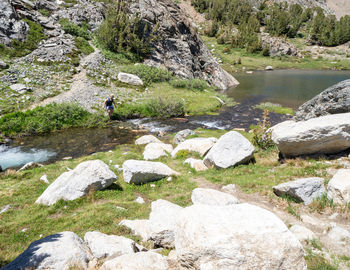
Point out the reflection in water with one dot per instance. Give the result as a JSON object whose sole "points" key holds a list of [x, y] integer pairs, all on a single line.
{"points": [[289, 88]]}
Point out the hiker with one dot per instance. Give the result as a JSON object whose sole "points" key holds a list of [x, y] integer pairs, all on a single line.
{"points": [[109, 105]]}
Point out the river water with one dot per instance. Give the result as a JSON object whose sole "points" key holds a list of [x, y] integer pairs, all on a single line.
{"points": [[289, 88]]}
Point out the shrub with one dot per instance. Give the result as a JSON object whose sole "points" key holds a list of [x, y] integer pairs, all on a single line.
{"points": [[179, 83], [83, 45], [74, 29], [265, 51], [261, 133], [194, 84]]}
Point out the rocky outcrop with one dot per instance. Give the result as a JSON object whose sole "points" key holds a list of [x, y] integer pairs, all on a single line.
{"points": [[323, 135], [60, 251], [279, 46], [303, 190], [333, 100], [197, 145], [156, 150], [141, 172], [212, 197], [339, 187], [179, 48], [87, 176], [240, 236], [231, 149]]}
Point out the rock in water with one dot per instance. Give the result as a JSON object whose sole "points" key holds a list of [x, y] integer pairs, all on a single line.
{"points": [[339, 187], [231, 149], [162, 222], [103, 245], [141, 172], [146, 139], [304, 190], [333, 100], [182, 135], [323, 135], [60, 251], [129, 79], [180, 49], [198, 145], [137, 261], [156, 150], [240, 236], [88, 175], [212, 197]]}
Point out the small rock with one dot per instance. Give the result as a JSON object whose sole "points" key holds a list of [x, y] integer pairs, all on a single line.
{"points": [[302, 233], [140, 200], [30, 165], [212, 197], [146, 139], [269, 68], [182, 135], [196, 164], [169, 179], [44, 179], [152, 185], [5, 208], [339, 187], [19, 88], [120, 208]]}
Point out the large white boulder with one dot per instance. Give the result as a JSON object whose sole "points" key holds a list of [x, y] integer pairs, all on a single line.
{"points": [[231, 149], [103, 245], [88, 175], [339, 187], [139, 227], [161, 221], [137, 261], [129, 79], [60, 251], [198, 145], [212, 197], [303, 190], [196, 164], [156, 150], [140, 172], [146, 139], [323, 135], [239, 236]]}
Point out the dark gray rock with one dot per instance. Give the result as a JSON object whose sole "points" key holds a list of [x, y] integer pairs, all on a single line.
{"points": [[333, 100], [3, 65], [279, 46], [304, 190], [180, 49]]}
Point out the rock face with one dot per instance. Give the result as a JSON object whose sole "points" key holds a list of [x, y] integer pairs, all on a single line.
{"points": [[162, 222], [141, 172], [138, 261], [339, 187], [103, 245], [279, 46], [333, 100], [146, 139], [180, 49], [88, 175], [212, 197], [10, 25], [139, 227], [129, 79], [196, 164], [304, 190], [60, 251], [182, 135], [323, 135], [231, 149], [198, 145], [156, 150], [240, 236]]}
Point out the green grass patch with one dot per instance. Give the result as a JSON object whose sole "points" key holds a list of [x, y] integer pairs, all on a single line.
{"points": [[317, 262], [74, 29], [83, 45], [276, 108]]}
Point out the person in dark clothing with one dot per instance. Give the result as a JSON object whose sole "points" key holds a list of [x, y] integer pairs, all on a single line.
{"points": [[109, 102]]}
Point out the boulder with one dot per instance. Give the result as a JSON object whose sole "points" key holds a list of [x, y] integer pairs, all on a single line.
{"points": [[146, 139], [279, 46], [231, 149], [339, 187], [196, 164], [161, 221], [139, 227], [269, 68], [71, 185], [156, 150], [137, 261], [103, 245], [180, 48], [333, 100], [19, 88], [323, 135], [3, 65], [339, 235], [182, 135], [60, 251], [303, 190], [239, 236], [302, 233], [129, 79], [212, 197], [198, 145], [141, 172]]}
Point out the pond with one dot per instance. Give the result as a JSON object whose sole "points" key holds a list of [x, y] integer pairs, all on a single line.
{"points": [[289, 88]]}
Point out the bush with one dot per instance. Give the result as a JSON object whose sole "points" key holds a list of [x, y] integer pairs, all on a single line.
{"points": [[265, 51], [194, 84], [83, 45], [261, 133], [74, 29], [179, 83], [149, 74]]}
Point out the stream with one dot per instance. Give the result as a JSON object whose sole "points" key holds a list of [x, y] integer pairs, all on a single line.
{"points": [[290, 88]]}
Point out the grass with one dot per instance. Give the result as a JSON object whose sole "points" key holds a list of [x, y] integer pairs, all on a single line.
{"points": [[317, 262], [276, 108]]}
